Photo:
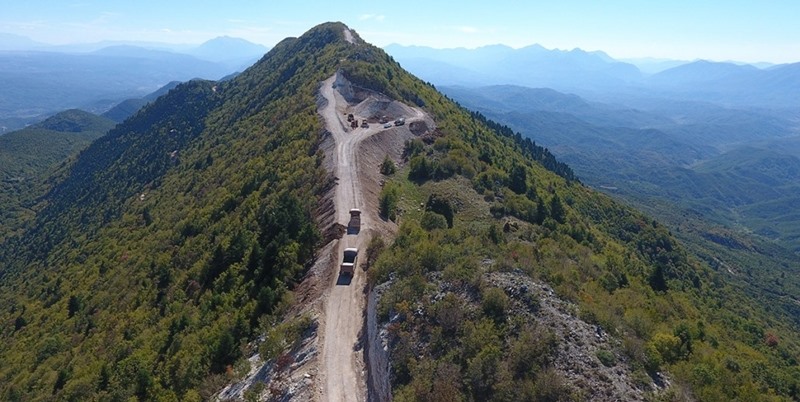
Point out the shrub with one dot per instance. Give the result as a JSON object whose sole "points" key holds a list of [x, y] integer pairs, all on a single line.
{"points": [[389, 197], [420, 169], [495, 303], [551, 387], [518, 179], [771, 339], [431, 220], [374, 249], [531, 351], [442, 206], [491, 179], [388, 167], [606, 357], [667, 345], [413, 148]]}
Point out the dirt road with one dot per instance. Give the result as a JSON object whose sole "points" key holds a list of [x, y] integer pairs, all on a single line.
{"points": [[342, 358]]}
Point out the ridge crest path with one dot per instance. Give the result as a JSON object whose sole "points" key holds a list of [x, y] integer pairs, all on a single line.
{"points": [[342, 365]]}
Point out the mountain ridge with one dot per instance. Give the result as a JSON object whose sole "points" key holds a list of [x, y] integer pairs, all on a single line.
{"points": [[208, 207]]}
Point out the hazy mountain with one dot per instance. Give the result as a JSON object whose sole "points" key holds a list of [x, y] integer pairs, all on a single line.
{"points": [[507, 98], [650, 65], [40, 83], [731, 84], [532, 66], [17, 42], [235, 53], [702, 72], [191, 245], [597, 76]]}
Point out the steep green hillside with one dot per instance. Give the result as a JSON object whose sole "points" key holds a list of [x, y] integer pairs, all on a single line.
{"points": [[174, 240], [129, 107], [170, 239], [625, 272], [28, 156], [733, 205]]}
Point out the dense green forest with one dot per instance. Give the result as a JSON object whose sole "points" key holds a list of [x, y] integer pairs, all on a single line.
{"points": [[29, 156], [172, 242]]}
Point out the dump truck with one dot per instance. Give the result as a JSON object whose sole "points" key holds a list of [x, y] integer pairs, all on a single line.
{"points": [[349, 261], [355, 221]]}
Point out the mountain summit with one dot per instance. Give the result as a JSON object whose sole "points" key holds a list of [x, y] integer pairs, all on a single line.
{"points": [[195, 252]]}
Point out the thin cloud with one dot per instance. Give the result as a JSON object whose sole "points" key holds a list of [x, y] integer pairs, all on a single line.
{"points": [[374, 17], [468, 29]]}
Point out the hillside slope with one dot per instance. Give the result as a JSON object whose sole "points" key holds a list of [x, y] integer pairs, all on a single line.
{"points": [[176, 245], [724, 180], [30, 155], [200, 206]]}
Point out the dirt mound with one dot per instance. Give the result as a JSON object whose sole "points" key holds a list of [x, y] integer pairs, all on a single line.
{"points": [[375, 108]]}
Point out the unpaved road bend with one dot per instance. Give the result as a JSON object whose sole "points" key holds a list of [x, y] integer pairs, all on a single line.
{"points": [[342, 364]]}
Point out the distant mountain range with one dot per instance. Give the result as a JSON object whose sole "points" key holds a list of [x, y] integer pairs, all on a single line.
{"points": [[596, 75], [39, 80], [222, 48], [532, 66]]}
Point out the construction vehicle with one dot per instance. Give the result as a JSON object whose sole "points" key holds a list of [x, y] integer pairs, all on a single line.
{"points": [[400, 122], [349, 261], [364, 124], [355, 221], [350, 117], [354, 124]]}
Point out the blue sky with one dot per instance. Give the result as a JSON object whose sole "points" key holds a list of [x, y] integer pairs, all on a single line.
{"points": [[754, 30]]}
